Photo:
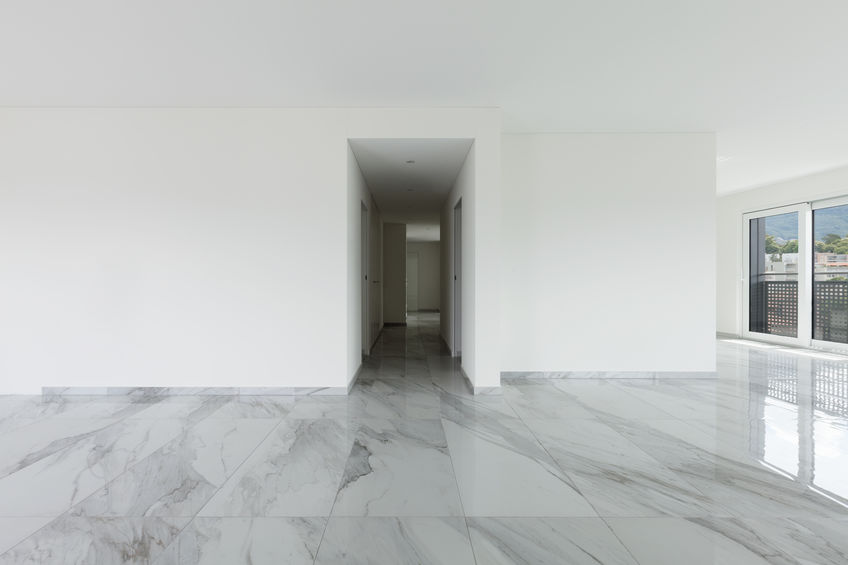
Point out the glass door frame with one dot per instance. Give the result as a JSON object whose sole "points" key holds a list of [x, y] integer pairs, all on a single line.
{"points": [[818, 343], [805, 276]]}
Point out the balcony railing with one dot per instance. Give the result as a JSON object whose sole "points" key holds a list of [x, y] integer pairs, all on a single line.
{"points": [[774, 309], [830, 311]]}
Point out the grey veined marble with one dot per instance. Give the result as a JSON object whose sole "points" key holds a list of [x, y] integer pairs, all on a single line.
{"points": [[246, 541], [749, 467], [400, 541], [581, 541], [96, 541], [295, 471], [398, 468]]}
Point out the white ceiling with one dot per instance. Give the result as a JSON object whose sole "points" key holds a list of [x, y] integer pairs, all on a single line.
{"points": [[769, 76], [411, 193]]}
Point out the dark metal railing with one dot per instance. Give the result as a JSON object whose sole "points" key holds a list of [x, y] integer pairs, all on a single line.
{"points": [[774, 309]]}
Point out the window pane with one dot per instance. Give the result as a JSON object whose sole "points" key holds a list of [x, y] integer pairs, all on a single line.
{"points": [[830, 274], [774, 275]]}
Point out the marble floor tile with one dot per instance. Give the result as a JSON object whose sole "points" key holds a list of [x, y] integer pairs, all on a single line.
{"points": [[748, 491], [709, 541], [96, 541], [455, 406], [103, 407], [15, 530], [22, 447], [398, 541], [607, 398], [255, 407], [744, 488], [181, 477], [394, 399], [398, 468], [503, 471], [690, 439], [533, 541], [675, 443], [20, 411], [817, 540], [295, 471], [52, 484], [544, 400], [246, 541], [321, 407], [189, 408], [682, 400], [396, 367], [446, 376], [615, 476]]}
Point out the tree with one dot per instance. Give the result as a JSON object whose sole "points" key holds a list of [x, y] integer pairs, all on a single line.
{"points": [[831, 238], [790, 247], [771, 245]]}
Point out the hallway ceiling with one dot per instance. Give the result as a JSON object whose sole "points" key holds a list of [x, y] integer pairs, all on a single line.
{"points": [[411, 193], [768, 76]]}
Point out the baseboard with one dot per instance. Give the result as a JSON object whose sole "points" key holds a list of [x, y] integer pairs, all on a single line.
{"points": [[154, 392], [655, 375]]}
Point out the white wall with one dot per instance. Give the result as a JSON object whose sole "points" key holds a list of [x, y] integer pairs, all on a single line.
{"points": [[429, 273], [608, 259], [172, 247], [729, 232], [394, 273]]}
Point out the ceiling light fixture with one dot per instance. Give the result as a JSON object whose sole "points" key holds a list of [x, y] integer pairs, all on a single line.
{"points": [[411, 162]]}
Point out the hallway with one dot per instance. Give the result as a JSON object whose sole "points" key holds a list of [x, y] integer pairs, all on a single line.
{"points": [[411, 468]]}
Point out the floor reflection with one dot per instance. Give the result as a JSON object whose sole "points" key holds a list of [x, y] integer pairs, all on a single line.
{"points": [[798, 409]]}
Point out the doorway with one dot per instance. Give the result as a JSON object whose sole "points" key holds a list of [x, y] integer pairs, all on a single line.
{"points": [[417, 185], [363, 216], [457, 279]]}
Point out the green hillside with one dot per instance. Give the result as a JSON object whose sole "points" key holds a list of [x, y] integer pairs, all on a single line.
{"points": [[827, 220], [830, 220]]}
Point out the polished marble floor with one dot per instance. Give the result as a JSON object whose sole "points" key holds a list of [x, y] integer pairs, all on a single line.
{"points": [[749, 468]]}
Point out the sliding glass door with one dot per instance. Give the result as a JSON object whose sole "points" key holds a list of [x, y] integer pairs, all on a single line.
{"points": [[795, 286], [775, 285], [830, 272]]}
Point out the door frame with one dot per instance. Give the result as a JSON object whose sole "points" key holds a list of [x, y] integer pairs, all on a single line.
{"points": [[456, 349], [817, 343], [804, 327], [364, 265]]}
